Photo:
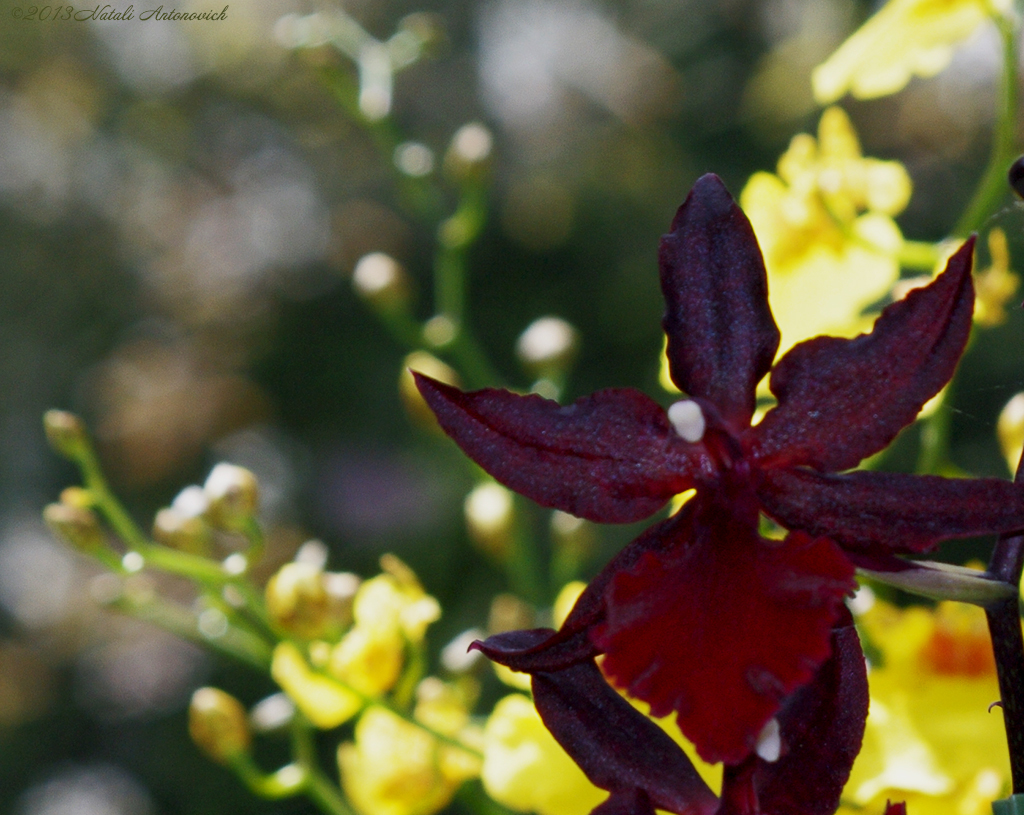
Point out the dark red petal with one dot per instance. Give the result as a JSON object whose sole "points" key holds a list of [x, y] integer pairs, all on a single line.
{"points": [[617, 747], [899, 808], [841, 401], [721, 334], [542, 649], [722, 626], [612, 457], [877, 513], [822, 726]]}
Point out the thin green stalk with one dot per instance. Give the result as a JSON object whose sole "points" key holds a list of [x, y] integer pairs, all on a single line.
{"points": [[234, 643], [320, 789], [992, 187]]}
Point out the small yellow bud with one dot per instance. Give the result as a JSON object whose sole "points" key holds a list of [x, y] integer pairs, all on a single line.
{"points": [[77, 526], [424, 363], [77, 497], [181, 532], [468, 155], [297, 600], [380, 280], [547, 346], [1010, 430], [218, 725], [233, 493], [490, 514], [66, 434]]}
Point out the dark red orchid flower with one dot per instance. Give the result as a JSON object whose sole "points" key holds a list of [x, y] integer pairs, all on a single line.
{"points": [[701, 615]]}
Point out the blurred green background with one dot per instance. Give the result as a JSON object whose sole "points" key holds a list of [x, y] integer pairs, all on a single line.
{"points": [[181, 208]]}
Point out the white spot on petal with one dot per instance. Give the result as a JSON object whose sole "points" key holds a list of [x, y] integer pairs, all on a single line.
{"points": [[769, 742], [688, 420]]}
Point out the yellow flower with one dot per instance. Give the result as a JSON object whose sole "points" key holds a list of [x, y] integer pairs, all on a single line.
{"points": [[325, 702], [905, 38], [297, 600], [368, 659], [825, 226], [930, 737], [395, 601], [526, 770], [396, 768], [996, 284]]}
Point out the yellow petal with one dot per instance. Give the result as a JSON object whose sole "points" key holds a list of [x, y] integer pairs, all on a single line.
{"points": [[526, 770], [324, 702], [905, 38]]}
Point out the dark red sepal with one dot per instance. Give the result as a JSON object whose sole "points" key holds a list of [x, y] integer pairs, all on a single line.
{"points": [[842, 400], [618, 748], [611, 457], [899, 808], [822, 726], [721, 334], [537, 649], [721, 625], [891, 512]]}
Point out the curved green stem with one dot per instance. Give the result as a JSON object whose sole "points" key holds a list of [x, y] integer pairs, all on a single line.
{"points": [[992, 188]]}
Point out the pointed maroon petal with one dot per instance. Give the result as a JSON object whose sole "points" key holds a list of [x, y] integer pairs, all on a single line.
{"points": [[878, 513], [612, 457], [721, 334], [899, 808], [617, 747], [822, 726], [539, 649], [841, 401], [722, 626]]}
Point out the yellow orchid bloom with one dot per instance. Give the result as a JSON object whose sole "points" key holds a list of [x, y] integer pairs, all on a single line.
{"points": [[905, 38], [931, 739], [825, 226]]}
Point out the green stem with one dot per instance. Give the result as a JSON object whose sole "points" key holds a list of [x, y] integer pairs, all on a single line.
{"points": [[236, 643], [992, 187], [324, 793], [918, 255]]}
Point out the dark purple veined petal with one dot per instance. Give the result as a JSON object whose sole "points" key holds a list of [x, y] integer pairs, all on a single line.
{"points": [[617, 747], [842, 400], [612, 457], [721, 334], [822, 726], [878, 513], [722, 625]]}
